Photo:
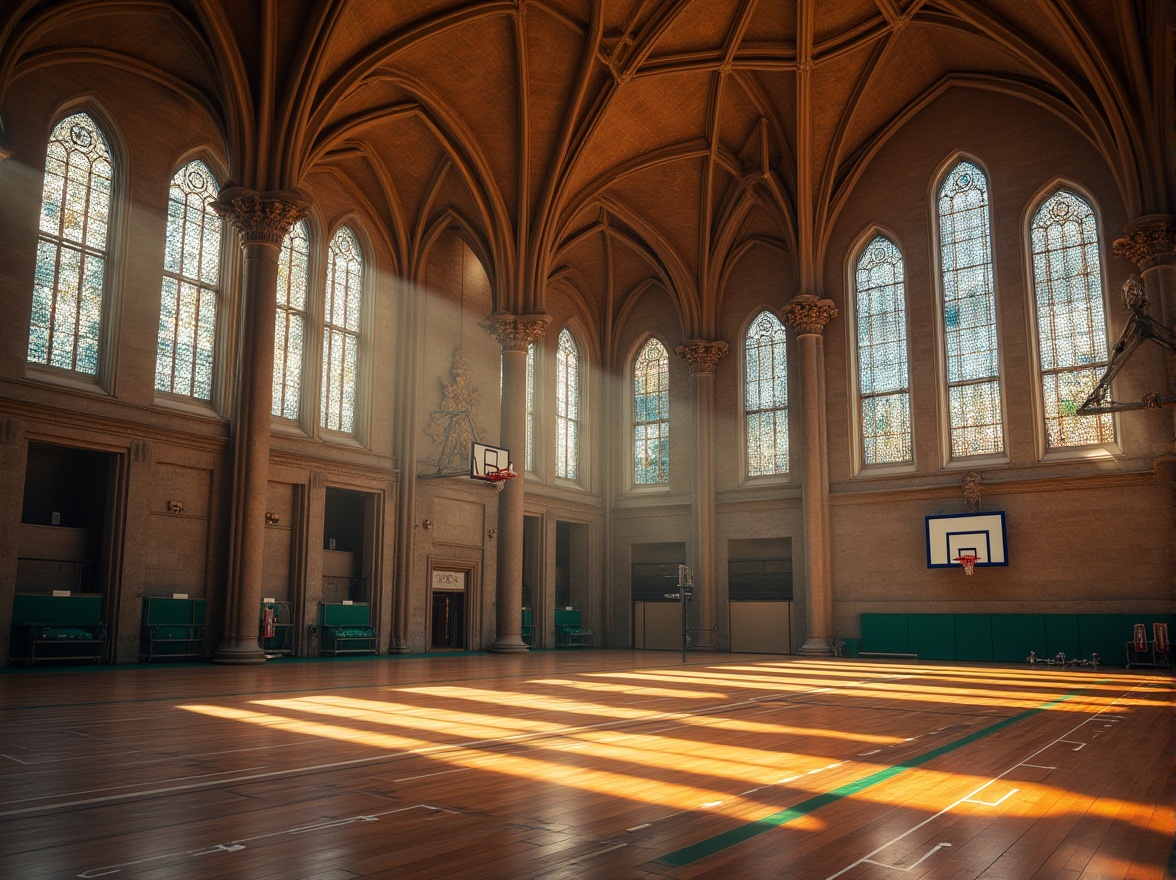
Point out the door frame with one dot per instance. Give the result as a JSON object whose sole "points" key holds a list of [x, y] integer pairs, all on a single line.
{"points": [[473, 604]]}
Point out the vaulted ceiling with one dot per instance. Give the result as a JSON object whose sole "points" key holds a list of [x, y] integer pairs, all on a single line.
{"points": [[607, 143]]}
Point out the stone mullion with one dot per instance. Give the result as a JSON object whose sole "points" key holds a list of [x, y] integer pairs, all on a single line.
{"points": [[513, 334], [262, 221], [702, 357], [808, 316]]}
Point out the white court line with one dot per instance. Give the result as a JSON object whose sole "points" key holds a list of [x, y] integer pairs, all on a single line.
{"points": [[1039, 767], [132, 785], [395, 755], [970, 797], [1077, 745], [1008, 794], [438, 773], [238, 845], [909, 868]]}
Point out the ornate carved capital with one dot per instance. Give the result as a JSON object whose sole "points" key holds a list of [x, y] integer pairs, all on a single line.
{"points": [[515, 332], [260, 216], [808, 314], [1148, 242], [701, 356]]}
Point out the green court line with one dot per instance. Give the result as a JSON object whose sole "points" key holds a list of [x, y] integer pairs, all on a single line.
{"points": [[719, 842]]}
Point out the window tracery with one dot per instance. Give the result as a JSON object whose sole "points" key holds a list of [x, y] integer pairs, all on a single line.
{"points": [[765, 396], [567, 405], [341, 332], [73, 247], [188, 302], [290, 325], [651, 414]]}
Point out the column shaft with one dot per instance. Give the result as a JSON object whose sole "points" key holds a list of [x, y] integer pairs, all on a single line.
{"points": [[702, 358], [808, 315], [514, 334], [262, 221]]}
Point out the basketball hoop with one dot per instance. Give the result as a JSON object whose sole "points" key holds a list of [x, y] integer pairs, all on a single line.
{"points": [[968, 561], [499, 476]]}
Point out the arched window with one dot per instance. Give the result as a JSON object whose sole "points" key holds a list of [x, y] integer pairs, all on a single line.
{"points": [[73, 247], [341, 326], [529, 452], [884, 398], [651, 415], [765, 396], [186, 344], [290, 324], [969, 314], [1071, 324], [567, 406]]}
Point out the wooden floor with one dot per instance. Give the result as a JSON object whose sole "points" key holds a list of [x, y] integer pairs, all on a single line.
{"points": [[586, 764]]}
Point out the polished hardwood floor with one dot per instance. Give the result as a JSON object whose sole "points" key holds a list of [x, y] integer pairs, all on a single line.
{"points": [[586, 764]]}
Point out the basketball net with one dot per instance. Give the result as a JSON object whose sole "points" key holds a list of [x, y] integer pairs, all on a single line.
{"points": [[967, 561], [499, 476]]}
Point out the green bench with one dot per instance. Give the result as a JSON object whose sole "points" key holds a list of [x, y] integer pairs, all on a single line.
{"points": [[346, 629], [569, 630], [46, 627], [171, 628]]}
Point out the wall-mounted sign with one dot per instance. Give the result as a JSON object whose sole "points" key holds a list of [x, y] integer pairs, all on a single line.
{"points": [[449, 580]]}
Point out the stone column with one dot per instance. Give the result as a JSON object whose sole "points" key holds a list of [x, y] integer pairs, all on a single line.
{"points": [[514, 334], [703, 357], [262, 219], [807, 316], [1150, 243]]}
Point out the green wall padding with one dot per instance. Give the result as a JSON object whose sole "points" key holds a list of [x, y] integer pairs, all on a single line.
{"points": [[1006, 638], [973, 634], [885, 633], [1061, 634], [1015, 635], [932, 636]]}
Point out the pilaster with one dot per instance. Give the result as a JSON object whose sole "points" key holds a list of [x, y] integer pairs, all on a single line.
{"points": [[807, 316], [513, 334], [702, 357], [262, 221], [13, 453]]}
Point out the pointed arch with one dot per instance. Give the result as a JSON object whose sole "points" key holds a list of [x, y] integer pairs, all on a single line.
{"points": [[651, 414], [1069, 314], [292, 329], [342, 328], [66, 328], [765, 396], [190, 296], [975, 410], [568, 364], [881, 352]]}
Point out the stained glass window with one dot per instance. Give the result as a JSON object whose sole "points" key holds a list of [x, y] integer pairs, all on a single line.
{"points": [[191, 286], [341, 326], [567, 406], [1071, 324], [290, 324], [969, 314], [651, 415], [72, 248], [765, 396], [529, 453], [883, 386]]}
